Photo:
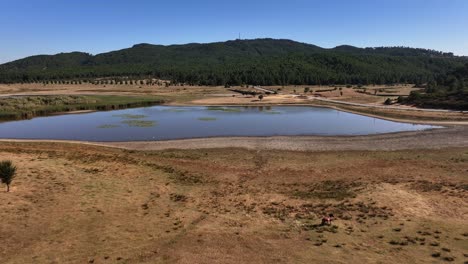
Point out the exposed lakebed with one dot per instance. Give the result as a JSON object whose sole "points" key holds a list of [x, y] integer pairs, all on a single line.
{"points": [[174, 122]]}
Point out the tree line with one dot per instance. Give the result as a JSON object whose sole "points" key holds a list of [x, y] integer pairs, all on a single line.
{"points": [[256, 62], [449, 91]]}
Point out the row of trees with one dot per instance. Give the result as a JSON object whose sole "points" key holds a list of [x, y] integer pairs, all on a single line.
{"points": [[99, 81]]}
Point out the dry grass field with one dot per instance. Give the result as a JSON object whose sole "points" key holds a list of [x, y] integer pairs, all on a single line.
{"points": [[179, 93], [191, 92], [73, 203]]}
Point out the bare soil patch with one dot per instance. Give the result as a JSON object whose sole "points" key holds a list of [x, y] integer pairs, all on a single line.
{"points": [[451, 136]]}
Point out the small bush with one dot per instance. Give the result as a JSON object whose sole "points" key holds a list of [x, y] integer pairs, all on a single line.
{"points": [[7, 173]]}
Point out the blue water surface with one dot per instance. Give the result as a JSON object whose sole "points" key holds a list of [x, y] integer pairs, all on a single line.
{"points": [[174, 122]]}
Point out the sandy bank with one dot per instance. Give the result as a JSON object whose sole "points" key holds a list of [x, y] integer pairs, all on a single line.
{"points": [[433, 139], [454, 136]]}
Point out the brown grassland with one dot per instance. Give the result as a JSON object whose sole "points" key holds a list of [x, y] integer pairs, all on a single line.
{"points": [[74, 203]]}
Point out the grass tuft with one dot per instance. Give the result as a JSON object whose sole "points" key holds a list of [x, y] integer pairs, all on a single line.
{"points": [[139, 123], [130, 116]]}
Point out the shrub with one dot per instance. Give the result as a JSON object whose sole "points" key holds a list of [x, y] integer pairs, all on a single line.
{"points": [[7, 172]]}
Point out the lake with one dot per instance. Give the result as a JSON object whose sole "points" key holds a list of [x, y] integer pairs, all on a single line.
{"points": [[174, 122]]}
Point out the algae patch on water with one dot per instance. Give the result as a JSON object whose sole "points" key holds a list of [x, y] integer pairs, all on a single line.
{"points": [[139, 123], [108, 126], [207, 118], [130, 116], [135, 120]]}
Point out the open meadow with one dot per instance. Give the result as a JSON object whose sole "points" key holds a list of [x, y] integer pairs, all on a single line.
{"points": [[75, 203]]}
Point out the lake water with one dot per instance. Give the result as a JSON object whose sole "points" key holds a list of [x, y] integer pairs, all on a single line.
{"points": [[172, 122]]}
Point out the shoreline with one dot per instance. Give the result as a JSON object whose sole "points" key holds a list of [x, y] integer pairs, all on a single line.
{"points": [[338, 108], [452, 136]]}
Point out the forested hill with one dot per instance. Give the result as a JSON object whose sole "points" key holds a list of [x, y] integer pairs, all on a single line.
{"points": [[448, 91], [258, 61]]}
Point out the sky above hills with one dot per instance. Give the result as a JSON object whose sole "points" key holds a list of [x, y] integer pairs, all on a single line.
{"points": [[31, 27]]}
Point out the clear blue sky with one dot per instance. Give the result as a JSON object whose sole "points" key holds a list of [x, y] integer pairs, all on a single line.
{"points": [[30, 27]]}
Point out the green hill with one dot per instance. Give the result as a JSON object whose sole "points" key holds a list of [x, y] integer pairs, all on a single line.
{"points": [[258, 61]]}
